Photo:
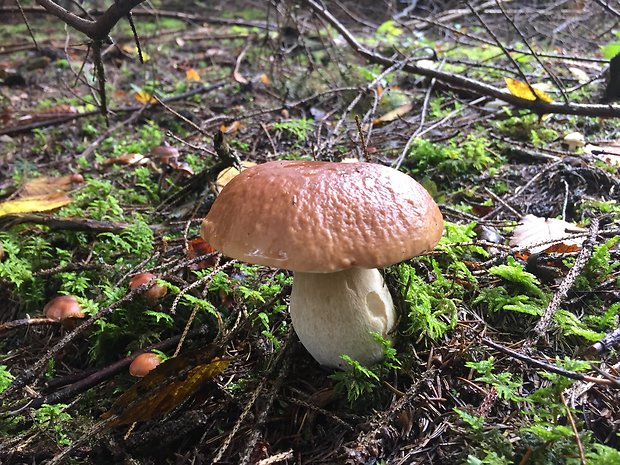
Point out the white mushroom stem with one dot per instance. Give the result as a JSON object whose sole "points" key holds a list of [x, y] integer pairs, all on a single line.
{"points": [[336, 313]]}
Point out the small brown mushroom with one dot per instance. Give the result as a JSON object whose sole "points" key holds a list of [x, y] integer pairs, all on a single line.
{"points": [[153, 293], [143, 364], [64, 308]]}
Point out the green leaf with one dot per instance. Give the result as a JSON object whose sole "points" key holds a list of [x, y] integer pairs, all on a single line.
{"points": [[610, 50]]}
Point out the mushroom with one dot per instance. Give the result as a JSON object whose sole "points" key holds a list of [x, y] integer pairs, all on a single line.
{"points": [[153, 293], [333, 224], [574, 140], [143, 364], [64, 308]]}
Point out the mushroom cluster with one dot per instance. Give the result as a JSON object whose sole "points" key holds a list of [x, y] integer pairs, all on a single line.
{"points": [[333, 224]]}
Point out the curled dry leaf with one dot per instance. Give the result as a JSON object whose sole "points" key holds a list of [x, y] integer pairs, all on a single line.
{"points": [[144, 97], [232, 127], [264, 79], [534, 230], [238, 77], [133, 51]]}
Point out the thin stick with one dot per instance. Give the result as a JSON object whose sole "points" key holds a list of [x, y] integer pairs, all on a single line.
{"points": [[21, 12], [27, 322], [362, 140], [571, 420], [551, 74], [503, 49], [548, 366]]}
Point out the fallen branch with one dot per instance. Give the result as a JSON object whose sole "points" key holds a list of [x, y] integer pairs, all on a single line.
{"points": [[9, 325], [73, 116], [549, 366], [477, 87], [58, 222]]}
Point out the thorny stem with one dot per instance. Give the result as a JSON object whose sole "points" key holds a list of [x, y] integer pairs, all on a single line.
{"points": [[585, 253]]}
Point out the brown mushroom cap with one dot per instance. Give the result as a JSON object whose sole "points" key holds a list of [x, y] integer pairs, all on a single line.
{"points": [[143, 364], [63, 307], [154, 292], [323, 217]]}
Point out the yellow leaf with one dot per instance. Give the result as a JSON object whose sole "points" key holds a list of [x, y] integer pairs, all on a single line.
{"points": [[133, 50], [35, 203], [227, 174], [265, 79], [232, 127], [394, 114], [522, 90], [192, 75], [144, 97], [165, 388], [380, 90]]}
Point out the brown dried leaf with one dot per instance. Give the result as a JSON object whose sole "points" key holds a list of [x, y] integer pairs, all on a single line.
{"points": [[196, 248], [561, 247], [47, 184], [165, 387]]}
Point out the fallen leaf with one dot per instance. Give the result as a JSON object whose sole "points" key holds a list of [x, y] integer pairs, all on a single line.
{"points": [[144, 97], [522, 90], [264, 79], [561, 247], [165, 387], [395, 114], [48, 184], [182, 167], [133, 51], [534, 230], [128, 159], [579, 74], [48, 113], [36, 203], [227, 174], [196, 248], [192, 75], [232, 127]]}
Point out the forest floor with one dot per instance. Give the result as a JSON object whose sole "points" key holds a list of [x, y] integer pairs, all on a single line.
{"points": [[506, 347]]}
